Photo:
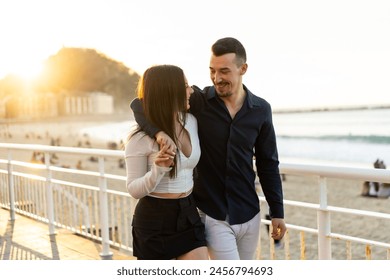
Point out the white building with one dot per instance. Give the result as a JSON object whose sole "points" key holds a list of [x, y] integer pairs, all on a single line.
{"points": [[102, 103], [94, 103]]}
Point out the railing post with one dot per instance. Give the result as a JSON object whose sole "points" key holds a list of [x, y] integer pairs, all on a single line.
{"points": [[103, 206], [11, 190], [49, 196], [323, 219]]}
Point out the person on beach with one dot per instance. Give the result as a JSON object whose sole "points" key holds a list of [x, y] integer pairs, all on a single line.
{"points": [[235, 127], [166, 223]]}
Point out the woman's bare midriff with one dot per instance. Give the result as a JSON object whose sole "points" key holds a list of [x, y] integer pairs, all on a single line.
{"points": [[171, 195]]}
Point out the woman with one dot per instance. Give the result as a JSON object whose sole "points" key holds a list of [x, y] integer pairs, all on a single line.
{"points": [[166, 223]]}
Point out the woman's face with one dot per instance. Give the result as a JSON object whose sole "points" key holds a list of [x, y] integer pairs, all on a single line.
{"points": [[189, 91]]}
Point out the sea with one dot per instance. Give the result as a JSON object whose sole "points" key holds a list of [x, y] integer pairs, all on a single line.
{"points": [[350, 137]]}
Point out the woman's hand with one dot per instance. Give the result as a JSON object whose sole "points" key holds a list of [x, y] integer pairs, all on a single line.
{"points": [[164, 157]]}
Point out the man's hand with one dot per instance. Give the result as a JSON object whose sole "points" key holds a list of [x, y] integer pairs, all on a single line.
{"points": [[165, 141], [278, 228]]}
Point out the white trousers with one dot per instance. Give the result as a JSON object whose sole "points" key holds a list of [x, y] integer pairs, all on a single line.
{"points": [[231, 242]]}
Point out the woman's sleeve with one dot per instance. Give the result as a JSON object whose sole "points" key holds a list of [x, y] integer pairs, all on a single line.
{"points": [[141, 181]]}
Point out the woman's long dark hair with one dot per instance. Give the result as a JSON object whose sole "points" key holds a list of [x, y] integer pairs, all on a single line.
{"points": [[162, 89]]}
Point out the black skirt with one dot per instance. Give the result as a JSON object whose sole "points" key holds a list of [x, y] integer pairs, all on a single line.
{"points": [[165, 229]]}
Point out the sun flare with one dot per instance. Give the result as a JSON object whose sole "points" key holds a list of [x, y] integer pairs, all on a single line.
{"points": [[27, 70]]}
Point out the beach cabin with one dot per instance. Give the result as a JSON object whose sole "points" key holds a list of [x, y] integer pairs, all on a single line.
{"points": [[2, 109], [93, 103], [102, 103], [31, 106]]}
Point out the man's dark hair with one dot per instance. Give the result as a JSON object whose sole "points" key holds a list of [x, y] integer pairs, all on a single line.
{"points": [[230, 45]]}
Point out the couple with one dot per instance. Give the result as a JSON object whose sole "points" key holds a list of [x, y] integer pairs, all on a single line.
{"points": [[197, 197]]}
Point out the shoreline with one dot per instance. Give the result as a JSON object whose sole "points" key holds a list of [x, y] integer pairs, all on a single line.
{"points": [[68, 128], [330, 109], [123, 116], [75, 129]]}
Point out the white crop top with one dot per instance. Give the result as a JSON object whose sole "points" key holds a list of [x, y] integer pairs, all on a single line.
{"points": [[144, 177]]}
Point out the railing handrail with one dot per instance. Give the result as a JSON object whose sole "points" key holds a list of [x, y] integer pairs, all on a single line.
{"points": [[342, 172]]}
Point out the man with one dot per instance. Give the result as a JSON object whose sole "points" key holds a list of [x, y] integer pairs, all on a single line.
{"points": [[234, 126]]}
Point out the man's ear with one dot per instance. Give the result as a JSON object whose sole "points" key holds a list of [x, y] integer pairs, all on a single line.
{"points": [[244, 67]]}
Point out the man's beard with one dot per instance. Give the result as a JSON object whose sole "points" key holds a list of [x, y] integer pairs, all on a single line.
{"points": [[224, 94]]}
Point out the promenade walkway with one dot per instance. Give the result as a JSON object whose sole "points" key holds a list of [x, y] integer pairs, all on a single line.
{"points": [[28, 239]]}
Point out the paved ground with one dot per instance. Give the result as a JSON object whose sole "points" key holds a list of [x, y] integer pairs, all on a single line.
{"points": [[27, 239]]}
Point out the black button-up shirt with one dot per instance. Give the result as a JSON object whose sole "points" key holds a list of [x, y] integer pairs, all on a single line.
{"points": [[225, 180]]}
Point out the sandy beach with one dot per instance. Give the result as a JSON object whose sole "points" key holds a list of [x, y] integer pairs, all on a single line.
{"points": [[341, 193]]}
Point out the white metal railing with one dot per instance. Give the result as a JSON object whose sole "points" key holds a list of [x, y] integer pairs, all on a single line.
{"points": [[93, 203], [324, 210]]}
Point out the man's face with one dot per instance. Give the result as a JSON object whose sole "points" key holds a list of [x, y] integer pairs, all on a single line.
{"points": [[225, 74]]}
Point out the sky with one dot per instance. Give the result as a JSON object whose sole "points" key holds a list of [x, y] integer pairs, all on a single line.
{"points": [[301, 54]]}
